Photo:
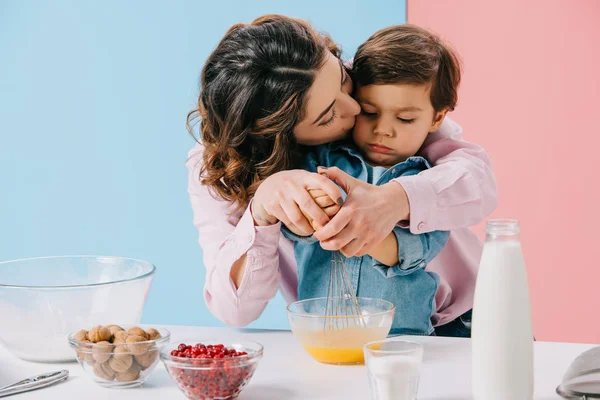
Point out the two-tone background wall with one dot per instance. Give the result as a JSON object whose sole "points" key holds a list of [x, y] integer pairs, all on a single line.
{"points": [[531, 97], [93, 99]]}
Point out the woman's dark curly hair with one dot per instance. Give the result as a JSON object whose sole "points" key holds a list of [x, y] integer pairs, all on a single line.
{"points": [[253, 92]]}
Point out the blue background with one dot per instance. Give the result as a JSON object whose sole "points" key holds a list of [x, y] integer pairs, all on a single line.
{"points": [[93, 100]]}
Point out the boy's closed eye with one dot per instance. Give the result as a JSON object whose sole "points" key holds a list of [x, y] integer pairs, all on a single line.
{"points": [[367, 113], [373, 114]]}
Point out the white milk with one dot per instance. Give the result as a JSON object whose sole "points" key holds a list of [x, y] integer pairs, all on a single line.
{"points": [[502, 336], [393, 377]]}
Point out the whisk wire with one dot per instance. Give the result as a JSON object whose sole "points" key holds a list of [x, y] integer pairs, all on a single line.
{"points": [[341, 307]]}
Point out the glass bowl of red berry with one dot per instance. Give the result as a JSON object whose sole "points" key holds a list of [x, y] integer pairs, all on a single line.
{"points": [[212, 369]]}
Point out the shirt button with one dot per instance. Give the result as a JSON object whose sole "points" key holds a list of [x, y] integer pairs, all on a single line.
{"points": [[421, 226]]}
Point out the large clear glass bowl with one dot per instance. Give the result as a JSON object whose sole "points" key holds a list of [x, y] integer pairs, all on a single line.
{"points": [[338, 337], [42, 300]]}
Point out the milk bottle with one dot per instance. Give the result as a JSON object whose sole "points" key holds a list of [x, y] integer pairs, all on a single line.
{"points": [[502, 336]]}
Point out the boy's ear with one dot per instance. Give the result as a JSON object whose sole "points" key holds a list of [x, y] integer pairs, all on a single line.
{"points": [[438, 118]]}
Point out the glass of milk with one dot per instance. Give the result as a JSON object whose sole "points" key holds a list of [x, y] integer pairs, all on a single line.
{"points": [[393, 366]]}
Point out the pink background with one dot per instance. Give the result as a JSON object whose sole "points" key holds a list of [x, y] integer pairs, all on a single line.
{"points": [[530, 96]]}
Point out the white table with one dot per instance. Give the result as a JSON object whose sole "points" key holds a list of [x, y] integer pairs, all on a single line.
{"points": [[287, 372]]}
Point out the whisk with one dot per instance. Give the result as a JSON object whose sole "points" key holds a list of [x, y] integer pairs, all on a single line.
{"points": [[342, 307]]}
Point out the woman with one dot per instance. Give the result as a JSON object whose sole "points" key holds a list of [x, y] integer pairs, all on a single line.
{"points": [[268, 89]]}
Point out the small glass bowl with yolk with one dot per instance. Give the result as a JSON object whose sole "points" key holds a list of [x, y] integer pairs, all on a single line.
{"points": [[332, 331]]}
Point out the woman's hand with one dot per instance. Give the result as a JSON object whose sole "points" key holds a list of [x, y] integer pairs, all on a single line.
{"points": [[285, 197], [368, 216], [326, 203]]}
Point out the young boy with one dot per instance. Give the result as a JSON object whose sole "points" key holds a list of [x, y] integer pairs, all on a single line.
{"points": [[406, 81]]}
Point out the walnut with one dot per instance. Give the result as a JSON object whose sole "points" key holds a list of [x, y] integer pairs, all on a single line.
{"points": [[152, 334], [102, 351], [81, 336], [145, 360], [104, 371], [131, 374], [134, 345], [85, 352], [114, 329], [99, 334], [135, 331], [121, 360], [120, 337]]}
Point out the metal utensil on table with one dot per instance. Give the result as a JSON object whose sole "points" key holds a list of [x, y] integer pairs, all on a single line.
{"points": [[34, 382], [582, 379]]}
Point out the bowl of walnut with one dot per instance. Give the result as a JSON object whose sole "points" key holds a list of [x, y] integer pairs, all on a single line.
{"points": [[118, 356]]}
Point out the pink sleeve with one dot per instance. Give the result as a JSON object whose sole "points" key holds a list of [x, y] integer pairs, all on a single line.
{"points": [[224, 238], [459, 191]]}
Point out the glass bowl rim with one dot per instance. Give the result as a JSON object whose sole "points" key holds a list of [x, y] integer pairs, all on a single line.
{"points": [[417, 346], [89, 285], [86, 347], [305, 315], [187, 363]]}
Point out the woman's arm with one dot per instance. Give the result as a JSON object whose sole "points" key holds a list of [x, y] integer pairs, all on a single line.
{"points": [[459, 191], [241, 249], [232, 244]]}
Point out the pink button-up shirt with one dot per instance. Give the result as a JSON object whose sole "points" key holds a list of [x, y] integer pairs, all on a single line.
{"points": [[458, 192]]}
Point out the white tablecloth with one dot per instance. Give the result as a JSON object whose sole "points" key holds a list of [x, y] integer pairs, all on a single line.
{"points": [[286, 372]]}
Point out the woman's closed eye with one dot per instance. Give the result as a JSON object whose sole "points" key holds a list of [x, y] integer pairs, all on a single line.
{"points": [[330, 120]]}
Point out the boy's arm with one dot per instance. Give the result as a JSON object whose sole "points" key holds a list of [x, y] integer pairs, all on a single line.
{"points": [[402, 252], [386, 253]]}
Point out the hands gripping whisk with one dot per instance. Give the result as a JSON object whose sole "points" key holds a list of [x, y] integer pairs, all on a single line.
{"points": [[342, 307]]}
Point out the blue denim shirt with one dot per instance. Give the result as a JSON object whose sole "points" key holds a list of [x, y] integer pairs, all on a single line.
{"points": [[406, 284]]}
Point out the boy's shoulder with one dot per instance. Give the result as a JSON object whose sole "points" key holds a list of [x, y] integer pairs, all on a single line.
{"points": [[415, 162], [342, 144], [411, 166], [339, 146]]}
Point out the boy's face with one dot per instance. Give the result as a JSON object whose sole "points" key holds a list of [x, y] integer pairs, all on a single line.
{"points": [[394, 121]]}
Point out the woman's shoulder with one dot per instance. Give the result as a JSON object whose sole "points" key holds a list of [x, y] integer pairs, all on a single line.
{"points": [[195, 160], [196, 152]]}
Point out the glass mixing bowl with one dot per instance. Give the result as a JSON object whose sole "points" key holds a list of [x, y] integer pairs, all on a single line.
{"points": [[42, 300], [339, 339], [120, 366], [213, 378]]}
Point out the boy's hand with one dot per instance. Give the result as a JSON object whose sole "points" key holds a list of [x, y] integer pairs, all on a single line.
{"points": [[326, 203]]}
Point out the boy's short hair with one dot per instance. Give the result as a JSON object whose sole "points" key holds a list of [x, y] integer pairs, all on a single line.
{"points": [[413, 55]]}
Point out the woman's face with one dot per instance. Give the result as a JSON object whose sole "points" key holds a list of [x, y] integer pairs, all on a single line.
{"points": [[330, 110]]}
